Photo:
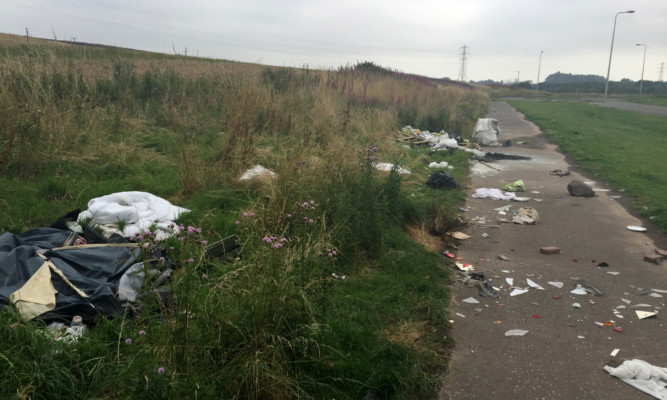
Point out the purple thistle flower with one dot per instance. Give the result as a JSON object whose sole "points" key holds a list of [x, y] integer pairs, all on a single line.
{"points": [[289, 215], [204, 276], [144, 246], [161, 259], [310, 221], [140, 237], [283, 240], [148, 232], [142, 332], [191, 229], [136, 233], [245, 213], [198, 230], [181, 227], [160, 370], [277, 245], [252, 214], [128, 341], [171, 248], [191, 260], [204, 242], [266, 239], [238, 222]]}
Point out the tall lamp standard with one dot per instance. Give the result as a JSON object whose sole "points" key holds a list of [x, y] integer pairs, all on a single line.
{"points": [[606, 85], [641, 82], [537, 88]]}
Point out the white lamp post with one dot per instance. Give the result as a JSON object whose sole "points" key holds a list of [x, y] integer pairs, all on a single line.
{"points": [[537, 88], [606, 85], [641, 82]]}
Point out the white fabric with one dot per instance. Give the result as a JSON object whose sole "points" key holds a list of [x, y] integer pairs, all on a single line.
{"points": [[643, 376], [255, 172], [495, 194], [139, 211], [388, 167]]}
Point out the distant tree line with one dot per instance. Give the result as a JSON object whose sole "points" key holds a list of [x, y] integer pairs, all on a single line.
{"points": [[573, 83]]}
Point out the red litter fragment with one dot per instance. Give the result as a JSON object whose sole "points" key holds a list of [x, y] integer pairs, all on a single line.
{"points": [[449, 254], [575, 260], [556, 297], [536, 316], [618, 329]]}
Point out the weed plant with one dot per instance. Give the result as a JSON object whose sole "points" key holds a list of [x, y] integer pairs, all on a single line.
{"points": [[330, 297]]}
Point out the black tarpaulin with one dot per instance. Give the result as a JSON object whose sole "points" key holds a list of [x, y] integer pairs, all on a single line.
{"points": [[84, 277]]}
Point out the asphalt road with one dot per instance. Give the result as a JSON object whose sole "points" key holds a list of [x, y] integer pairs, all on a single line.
{"points": [[562, 354]]}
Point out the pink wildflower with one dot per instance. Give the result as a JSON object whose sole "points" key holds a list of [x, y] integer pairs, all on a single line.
{"points": [[160, 370], [128, 341]]}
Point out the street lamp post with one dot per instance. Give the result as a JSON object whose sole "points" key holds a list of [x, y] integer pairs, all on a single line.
{"points": [[641, 82], [537, 88], [606, 85]]}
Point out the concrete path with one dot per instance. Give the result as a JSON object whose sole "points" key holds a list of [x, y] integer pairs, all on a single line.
{"points": [[626, 105], [562, 355]]}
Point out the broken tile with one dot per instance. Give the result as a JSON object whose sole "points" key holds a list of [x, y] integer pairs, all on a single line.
{"points": [[559, 285], [518, 291], [470, 300], [534, 285], [516, 332]]}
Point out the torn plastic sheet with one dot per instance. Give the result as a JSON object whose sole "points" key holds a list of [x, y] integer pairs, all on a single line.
{"points": [[643, 376], [485, 290], [645, 314], [516, 332], [518, 291], [579, 290], [470, 300], [559, 285], [534, 285], [464, 267], [510, 281]]}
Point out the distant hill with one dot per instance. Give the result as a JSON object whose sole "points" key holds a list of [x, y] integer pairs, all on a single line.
{"points": [[560, 77]]}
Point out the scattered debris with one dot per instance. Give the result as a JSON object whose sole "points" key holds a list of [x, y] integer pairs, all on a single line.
{"points": [[662, 252], [641, 375], [460, 315], [485, 235], [534, 285], [486, 132], [257, 171], [516, 332], [470, 300], [502, 257], [559, 285], [521, 199], [576, 305], [389, 167], [518, 291], [441, 180], [510, 281], [579, 290], [441, 164], [613, 272], [495, 194], [653, 258], [549, 250], [460, 236], [618, 329], [516, 186], [525, 216], [559, 172], [464, 267], [645, 314], [636, 228], [580, 189]]}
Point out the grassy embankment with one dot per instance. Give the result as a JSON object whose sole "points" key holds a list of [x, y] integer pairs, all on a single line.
{"points": [[624, 148], [82, 122]]}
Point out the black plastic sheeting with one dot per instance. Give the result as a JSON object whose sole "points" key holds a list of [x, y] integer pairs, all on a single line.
{"points": [[93, 270]]}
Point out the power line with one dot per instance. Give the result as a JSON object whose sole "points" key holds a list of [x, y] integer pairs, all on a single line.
{"points": [[464, 57]]}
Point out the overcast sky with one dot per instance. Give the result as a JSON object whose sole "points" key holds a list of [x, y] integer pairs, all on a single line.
{"points": [[504, 38]]}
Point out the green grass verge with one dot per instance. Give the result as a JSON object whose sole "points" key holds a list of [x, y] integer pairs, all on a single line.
{"points": [[624, 148]]}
